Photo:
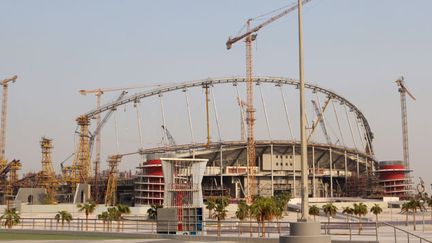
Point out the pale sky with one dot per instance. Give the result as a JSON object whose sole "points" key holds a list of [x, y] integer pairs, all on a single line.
{"points": [[356, 48]]}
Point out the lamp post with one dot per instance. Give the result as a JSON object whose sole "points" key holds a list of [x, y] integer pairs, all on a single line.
{"points": [[304, 230], [304, 162]]}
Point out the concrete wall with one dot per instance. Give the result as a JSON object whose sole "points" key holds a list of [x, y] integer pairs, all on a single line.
{"points": [[38, 195], [48, 211]]}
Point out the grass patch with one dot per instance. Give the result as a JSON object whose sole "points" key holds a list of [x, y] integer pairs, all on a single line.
{"points": [[31, 236]]}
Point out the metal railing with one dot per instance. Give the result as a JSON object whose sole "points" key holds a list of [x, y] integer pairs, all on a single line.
{"points": [[409, 235], [230, 228]]}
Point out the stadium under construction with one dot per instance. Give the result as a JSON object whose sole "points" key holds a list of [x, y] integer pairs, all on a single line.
{"points": [[337, 167]]}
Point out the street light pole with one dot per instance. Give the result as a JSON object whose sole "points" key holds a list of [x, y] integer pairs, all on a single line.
{"points": [[304, 162]]}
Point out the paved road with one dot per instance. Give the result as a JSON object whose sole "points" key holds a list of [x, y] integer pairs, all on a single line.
{"points": [[113, 241]]}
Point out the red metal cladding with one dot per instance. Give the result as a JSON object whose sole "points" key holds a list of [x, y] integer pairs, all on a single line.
{"points": [[156, 170], [394, 172]]}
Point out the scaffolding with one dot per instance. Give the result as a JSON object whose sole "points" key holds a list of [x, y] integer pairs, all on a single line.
{"points": [[46, 177], [111, 191], [149, 186], [183, 190]]}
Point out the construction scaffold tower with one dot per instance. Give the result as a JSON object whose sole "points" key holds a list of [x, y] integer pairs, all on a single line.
{"points": [[111, 191], [80, 170], [14, 166], [46, 177], [5, 84]]}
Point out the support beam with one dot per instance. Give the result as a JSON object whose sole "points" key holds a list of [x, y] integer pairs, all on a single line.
{"points": [[313, 172], [331, 171]]}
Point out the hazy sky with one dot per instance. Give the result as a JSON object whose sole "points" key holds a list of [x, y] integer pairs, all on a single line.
{"points": [[357, 48]]}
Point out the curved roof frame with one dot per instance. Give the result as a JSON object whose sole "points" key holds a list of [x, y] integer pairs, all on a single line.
{"points": [[234, 80]]}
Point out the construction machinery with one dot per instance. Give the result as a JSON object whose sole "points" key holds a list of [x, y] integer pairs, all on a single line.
{"points": [[12, 168], [46, 178], [80, 170], [168, 135], [242, 106], [5, 84], [111, 191], [403, 92], [249, 36], [320, 118], [98, 93]]}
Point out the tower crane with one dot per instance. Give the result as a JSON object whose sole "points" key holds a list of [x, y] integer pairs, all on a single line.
{"points": [[321, 121], [97, 134], [5, 84], [249, 36], [403, 90], [242, 106], [170, 138], [81, 164], [111, 190]]}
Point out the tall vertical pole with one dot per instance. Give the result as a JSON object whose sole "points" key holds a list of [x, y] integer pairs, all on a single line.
{"points": [[250, 120], [294, 191], [189, 116], [207, 114], [98, 149], [331, 171], [221, 167], [136, 104], [304, 162], [4, 119], [271, 168], [313, 172], [164, 134], [404, 127]]}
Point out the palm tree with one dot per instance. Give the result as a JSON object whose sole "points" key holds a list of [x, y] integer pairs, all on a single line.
{"points": [[314, 211], [88, 208], [376, 209], [63, 216], [104, 216], [210, 205], [220, 211], [11, 217], [152, 211], [405, 208], [263, 208], [122, 209], [113, 215], [330, 210], [360, 210], [283, 198], [243, 212], [413, 205], [429, 203], [347, 211]]}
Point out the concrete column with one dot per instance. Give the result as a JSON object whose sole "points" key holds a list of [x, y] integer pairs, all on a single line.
{"points": [[367, 169], [346, 168], [271, 167], [294, 172], [331, 171], [358, 166], [305, 232], [313, 172], [221, 167]]}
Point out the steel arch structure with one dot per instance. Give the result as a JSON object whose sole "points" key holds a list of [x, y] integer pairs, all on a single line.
{"points": [[234, 80], [332, 166]]}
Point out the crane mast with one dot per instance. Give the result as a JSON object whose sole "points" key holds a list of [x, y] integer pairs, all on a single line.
{"points": [[99, 123], [320, 117], [249, 37], [5, 84], [403, 92], [251, 189]]}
